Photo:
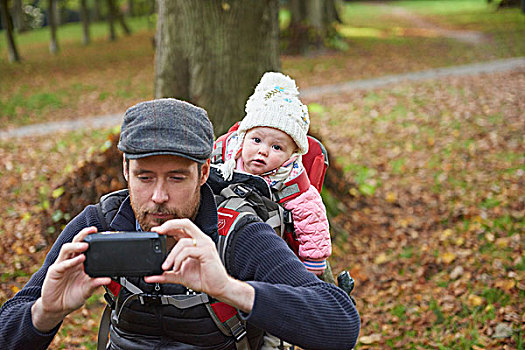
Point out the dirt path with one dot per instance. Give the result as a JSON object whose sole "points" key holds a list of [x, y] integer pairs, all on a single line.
{"points": [[310, 94], [466, 36]]}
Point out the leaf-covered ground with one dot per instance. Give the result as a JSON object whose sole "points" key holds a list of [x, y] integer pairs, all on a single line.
{"points": [[432, 222], [427, 210]]}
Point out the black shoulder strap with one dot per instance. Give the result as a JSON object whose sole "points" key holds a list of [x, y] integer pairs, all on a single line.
{"points": [[101, 218], [108, 207]]}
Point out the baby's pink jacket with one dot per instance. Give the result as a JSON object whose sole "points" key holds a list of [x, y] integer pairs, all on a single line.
{"points": [[311, 228]]}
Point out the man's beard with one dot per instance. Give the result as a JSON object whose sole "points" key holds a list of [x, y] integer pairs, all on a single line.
{"points": [[190, 211]]}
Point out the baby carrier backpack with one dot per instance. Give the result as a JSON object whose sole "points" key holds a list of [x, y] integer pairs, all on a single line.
{"points": [[246, 198], [315, 163], [225, 317]]}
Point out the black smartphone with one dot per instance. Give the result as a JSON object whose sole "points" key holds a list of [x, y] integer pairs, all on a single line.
{"points": [[124, 254]]}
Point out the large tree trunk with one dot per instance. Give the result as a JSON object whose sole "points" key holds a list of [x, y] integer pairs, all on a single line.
{"points": [[8, 24], [84, 16], [52, 21], [213, 53], [18, 16], [311, 23]]}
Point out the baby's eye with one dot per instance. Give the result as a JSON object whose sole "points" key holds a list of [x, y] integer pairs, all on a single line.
{"points": [[256, 140], [277, 147]]}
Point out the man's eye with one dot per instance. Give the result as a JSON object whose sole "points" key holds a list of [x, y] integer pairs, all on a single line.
{"points": [[177, 178], [144, 178]]}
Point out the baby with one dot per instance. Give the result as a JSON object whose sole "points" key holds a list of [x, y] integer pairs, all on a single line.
{"points": [[270, 142]]}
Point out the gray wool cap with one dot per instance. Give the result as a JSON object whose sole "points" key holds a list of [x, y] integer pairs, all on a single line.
{"points": [[166, 126]]}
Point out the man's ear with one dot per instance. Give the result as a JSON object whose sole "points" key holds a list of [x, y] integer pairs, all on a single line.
{"points": [[125, 168], [205, 172]]}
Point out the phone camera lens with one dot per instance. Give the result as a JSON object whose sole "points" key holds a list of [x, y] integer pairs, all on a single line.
{"points": [[156, 247]]}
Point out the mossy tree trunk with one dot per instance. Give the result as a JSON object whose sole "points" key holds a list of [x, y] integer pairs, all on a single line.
{"points": [[212, 53], [8, 24]]}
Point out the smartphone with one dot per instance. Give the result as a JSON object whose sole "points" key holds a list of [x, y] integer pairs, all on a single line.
{"points": [[124, 254]]}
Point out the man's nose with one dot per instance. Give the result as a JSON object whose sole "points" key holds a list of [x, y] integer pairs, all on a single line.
{"points": [[160, 194]]}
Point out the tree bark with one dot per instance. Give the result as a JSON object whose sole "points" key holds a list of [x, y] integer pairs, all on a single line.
{"points": [[311, 23], [12, 50], [111, 20], [84, 16], [18, 16], [131, 8], [96, 11], [115, 13], [212, 53], [51, 17]]}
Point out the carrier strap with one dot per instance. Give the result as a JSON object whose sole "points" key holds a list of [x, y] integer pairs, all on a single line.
{"points": [[229, 322], [103, 329]]}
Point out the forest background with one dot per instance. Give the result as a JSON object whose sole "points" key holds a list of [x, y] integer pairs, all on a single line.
{"points": [[425, 185]]}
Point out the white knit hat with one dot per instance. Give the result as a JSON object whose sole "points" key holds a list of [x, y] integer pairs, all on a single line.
{"points": [[275, 103]]}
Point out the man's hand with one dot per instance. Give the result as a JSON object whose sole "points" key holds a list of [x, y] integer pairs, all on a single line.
{"points": [[66, 286], [195, 263]]}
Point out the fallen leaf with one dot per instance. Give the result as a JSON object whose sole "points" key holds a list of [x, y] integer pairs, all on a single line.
{"points": [[505, 284], [474, 300], [381, 259], [391, 197], [448, 257], [370, 339], [446, 234]]}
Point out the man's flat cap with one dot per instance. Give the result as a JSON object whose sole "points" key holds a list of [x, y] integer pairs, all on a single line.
{"points": [[166, 126]]}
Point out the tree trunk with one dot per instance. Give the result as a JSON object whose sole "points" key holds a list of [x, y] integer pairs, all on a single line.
{"points": [[213, 53], [8, 24], [51, 17], [131, 8], [115, 13], [311, 23], [111, 20], [18, 16], [84, 16], [122, 21], [96, 11]]}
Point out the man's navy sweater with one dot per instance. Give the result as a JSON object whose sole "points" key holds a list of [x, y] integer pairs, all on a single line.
{"points": [[290, 302]]}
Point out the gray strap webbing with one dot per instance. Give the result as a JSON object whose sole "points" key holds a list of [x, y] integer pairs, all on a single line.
{"points": [[185, 301], [130, 286], [179, 301], [103, 330], [287, 191], [232, 327], [217, 152]]}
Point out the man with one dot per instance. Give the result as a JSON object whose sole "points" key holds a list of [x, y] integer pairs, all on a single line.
{"points": [[166, 146]]}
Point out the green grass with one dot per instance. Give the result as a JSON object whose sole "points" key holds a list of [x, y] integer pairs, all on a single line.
{"points": [[445, 7], [72, 33]]}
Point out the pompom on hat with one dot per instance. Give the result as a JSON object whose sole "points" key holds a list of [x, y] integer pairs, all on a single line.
{"points": [[274, 103]]}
